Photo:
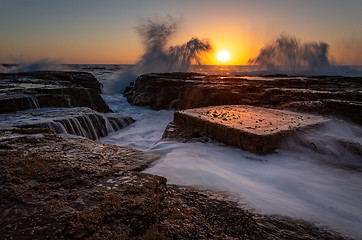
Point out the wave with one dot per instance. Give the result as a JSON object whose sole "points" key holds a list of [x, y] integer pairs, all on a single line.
{"points": [[158, 56], [4, 69], [38, 65], [290, 56]]}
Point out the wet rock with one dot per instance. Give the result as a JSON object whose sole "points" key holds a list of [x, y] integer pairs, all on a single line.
{"points": [[79, 121], [335, 95], [254, 129], [21, 91], [204, 214], [55, 188]]}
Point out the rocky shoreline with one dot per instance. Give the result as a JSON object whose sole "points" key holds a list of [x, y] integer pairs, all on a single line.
{"points": [[56, 188], [21, 91], [75, 188], [326, 95]]}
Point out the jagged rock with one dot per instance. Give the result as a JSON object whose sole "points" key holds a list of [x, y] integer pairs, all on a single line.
{"points": [[52, 188], [79, 121], [21, 91], [339, 96], [254, 129]]}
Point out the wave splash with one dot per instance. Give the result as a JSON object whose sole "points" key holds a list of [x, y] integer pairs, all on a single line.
{"points": [[34, 66], [289, 55], [158, 56], [39, 65]]}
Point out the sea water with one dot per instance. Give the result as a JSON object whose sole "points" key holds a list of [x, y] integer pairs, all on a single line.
{"points": [[321, 186], [312, 176]]}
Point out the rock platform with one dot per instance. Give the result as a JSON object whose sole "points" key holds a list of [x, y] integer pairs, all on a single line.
{"points": [[55, 188], [21, 91], [326, 95], [65, 102], [254, 129], [71, 188]]}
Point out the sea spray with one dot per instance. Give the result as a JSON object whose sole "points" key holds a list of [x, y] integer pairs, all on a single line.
{"points": [[38, 65], [155, 35], [4, 69], [183, 55], [158, 56], [287, 53]]}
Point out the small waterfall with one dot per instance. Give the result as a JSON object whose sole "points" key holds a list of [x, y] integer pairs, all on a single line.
{"points": [[55, 127], [68, 100], [33, 102], [79, 121], [68, 124], [90, 99], [119, 123], [92, 126]]}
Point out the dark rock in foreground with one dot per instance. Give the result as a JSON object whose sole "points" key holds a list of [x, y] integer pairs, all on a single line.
{"points": [[21, 91], [74, 189], [254, 129], [339, 96], [52, 188]]}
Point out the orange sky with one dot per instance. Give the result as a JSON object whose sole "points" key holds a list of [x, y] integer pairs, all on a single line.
{"points": [[104, 31]]}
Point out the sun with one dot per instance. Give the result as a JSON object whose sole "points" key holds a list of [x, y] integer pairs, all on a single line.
{"points": [[223, 56]]}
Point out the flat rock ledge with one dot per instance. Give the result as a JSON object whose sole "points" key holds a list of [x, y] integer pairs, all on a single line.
{"points": [[45, 89], [55, 188], [254, 129]]}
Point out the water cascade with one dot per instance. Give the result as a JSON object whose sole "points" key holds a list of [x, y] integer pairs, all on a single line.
{"points": [[75, 121]]}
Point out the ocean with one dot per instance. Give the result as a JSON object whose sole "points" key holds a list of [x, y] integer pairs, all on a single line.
{"points": [[321, 187], [295, 181]]}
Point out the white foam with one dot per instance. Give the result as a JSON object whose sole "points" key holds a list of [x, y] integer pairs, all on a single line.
{"points": [[297, 181]]}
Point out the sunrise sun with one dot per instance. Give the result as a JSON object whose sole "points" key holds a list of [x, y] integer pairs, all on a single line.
{"points": [[223, 56]]}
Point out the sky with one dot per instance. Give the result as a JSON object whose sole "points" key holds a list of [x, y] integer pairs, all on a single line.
{"points": [[90, 31]]}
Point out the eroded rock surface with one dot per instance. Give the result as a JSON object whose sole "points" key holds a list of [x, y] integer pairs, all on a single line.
{"points": [[21, 91], [255, 129], [339, 96], [74, 188], [52, 188]]}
